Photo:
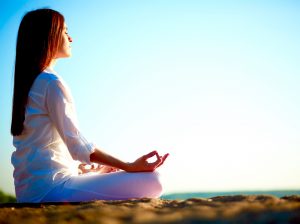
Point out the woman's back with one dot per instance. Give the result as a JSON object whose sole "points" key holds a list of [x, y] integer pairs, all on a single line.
{"points": [[41, 158]]}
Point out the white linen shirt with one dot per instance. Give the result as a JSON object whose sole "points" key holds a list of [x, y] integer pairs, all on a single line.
{"points": [[50, 147]]}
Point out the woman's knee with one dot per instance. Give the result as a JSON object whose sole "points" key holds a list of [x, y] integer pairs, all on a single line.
{"points": [[154, 184]]}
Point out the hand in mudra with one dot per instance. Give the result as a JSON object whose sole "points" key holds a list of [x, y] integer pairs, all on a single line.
{"points": [[139, 165], [108, 169], [142, 165], [95, 168]]}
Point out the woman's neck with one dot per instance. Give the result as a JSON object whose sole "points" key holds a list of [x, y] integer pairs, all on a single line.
{"points": [[52, 64]]}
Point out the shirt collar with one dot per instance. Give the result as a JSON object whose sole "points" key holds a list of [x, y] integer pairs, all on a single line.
{"points": [[49, 70]]}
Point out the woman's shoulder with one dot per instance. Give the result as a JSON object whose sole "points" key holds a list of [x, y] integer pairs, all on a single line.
{"points": [[53, 81], [46, 79], [49, 75]]}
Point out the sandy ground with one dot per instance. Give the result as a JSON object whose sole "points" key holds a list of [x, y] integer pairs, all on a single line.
{"points": [[222, 209]]}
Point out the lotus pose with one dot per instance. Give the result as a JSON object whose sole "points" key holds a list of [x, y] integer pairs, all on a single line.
{"points": [[50, 149]]}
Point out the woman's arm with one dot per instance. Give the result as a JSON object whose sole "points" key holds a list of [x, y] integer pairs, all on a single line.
{"points": [[61, 111], [139, 165]]}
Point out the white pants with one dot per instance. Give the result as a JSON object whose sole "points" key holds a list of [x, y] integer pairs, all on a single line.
{"points": [[111, 186]]}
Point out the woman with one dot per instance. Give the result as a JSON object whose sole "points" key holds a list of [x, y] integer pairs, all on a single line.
{"points": [[45, 133]]}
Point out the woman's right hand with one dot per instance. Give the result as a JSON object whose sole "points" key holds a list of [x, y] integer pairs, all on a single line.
{"points": [[142, 165], [139, 165]]}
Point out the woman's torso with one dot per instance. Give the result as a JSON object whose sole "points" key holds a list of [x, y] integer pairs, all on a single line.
{"points": [[41, 160]]}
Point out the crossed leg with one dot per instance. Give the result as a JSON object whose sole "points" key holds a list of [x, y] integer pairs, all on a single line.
{"points": [[110, 186]]}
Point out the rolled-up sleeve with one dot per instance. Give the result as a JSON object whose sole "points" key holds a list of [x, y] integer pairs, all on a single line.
{"points": [[61, 110]]}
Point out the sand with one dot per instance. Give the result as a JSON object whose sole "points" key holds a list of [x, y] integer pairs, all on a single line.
{"points": [[221, 209]]}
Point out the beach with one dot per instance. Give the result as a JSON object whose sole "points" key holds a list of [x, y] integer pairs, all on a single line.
{"points": [[220, 209]]}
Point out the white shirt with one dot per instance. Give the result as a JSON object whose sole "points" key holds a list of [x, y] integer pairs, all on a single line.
{"points": [[48, 151]]}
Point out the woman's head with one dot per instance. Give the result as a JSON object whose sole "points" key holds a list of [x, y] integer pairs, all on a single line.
{"points": [[40, 39]]}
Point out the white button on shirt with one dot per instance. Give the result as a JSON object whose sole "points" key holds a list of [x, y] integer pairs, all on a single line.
{"points": [[50, 148]]}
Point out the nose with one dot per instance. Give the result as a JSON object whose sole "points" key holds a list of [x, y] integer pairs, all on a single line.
{"points": [[70, 39]]}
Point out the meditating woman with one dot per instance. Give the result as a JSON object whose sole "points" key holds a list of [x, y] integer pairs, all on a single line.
{"points": [[49, 145]]}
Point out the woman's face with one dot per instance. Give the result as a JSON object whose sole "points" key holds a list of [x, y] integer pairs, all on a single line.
{"points": [[64, 50]]}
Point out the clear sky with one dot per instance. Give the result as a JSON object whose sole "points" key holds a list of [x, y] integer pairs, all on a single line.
{"points": [[214, 83]]}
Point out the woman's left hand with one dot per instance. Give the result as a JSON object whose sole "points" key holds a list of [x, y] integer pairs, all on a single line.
{"points": [[95, 168], [107, 169]]}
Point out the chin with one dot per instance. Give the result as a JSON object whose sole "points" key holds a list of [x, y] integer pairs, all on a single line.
{"points": [[67, 55]]}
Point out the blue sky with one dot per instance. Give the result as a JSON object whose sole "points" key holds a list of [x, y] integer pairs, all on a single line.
{"points": [[214, 83]]}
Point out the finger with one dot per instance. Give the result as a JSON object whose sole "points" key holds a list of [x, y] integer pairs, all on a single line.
{"points": [[163, 160], [160, 160], [149, 155], [157, 156], [165, 157], [157, 162]]}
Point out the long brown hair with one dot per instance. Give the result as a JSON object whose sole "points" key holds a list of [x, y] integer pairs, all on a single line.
{"points": [[39, 37]]}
